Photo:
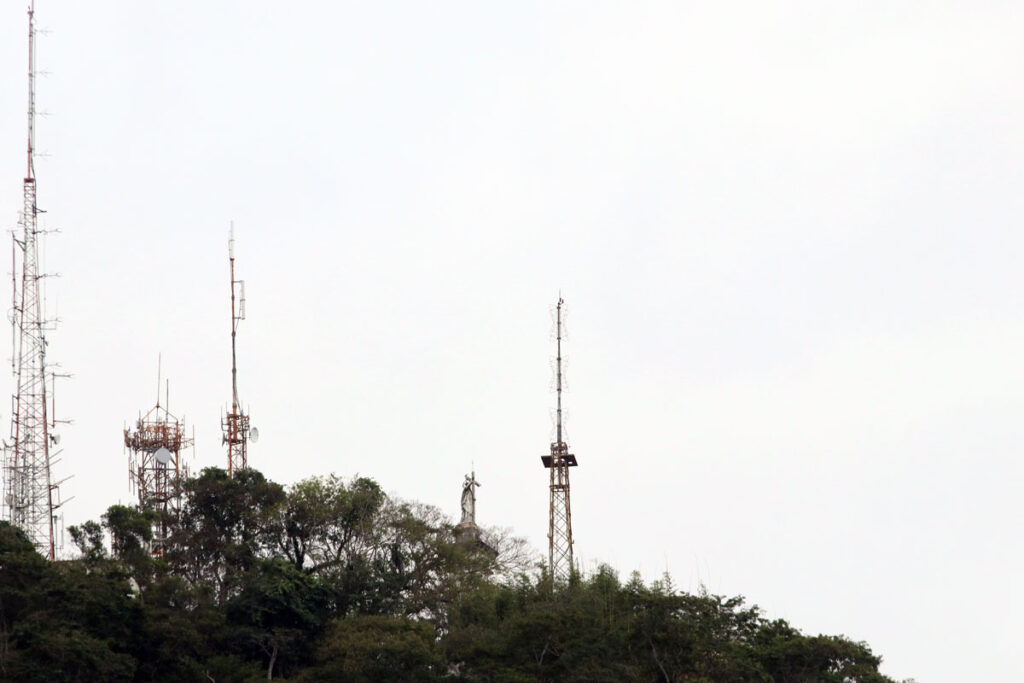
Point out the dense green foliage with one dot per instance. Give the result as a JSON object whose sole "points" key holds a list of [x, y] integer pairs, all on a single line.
{"points": [[335, 581]]}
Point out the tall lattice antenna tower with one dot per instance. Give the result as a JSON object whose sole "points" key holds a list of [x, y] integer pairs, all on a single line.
{"points": [[155, 467], [235, 424], [558, 463], [31, 497]]}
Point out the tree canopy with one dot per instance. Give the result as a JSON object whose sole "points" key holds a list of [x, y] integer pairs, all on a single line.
{"points": [[333, 580]]}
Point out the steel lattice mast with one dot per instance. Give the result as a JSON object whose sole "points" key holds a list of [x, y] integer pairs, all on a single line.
{"points": [[30, 495], [558, 463], [235, 424], [155, 467]]}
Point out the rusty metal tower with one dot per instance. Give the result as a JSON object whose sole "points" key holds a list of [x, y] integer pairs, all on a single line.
{"points": [[31, 496], [235, 425], [558, 463], [155, 467]]}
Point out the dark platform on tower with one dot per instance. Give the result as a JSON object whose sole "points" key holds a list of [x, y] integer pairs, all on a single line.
{"points": [[568, 458]]}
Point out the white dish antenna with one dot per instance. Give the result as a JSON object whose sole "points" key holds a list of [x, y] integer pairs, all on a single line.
{"points": [[254, 435], [163, 456]]}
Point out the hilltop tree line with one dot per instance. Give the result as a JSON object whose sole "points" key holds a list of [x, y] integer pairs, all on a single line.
{"points": [[332, 580]]}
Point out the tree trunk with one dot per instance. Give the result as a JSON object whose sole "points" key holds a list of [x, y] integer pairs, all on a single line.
{"points": [[270, 666], [657, 661]]}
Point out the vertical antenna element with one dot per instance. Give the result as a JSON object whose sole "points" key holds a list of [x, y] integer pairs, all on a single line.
{"points": [[30, 172], [31, 497], [558, 369], [235, 425], [558, 462]]}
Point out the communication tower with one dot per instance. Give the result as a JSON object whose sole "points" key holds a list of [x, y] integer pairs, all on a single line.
{"points": [[235, 425], [558, 463], [31, 496], [155, 467]]}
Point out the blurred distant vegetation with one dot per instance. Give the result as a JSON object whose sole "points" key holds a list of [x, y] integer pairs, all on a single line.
{"points": [[333, 580]]}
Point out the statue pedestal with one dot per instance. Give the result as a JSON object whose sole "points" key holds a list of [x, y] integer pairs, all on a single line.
{"points": [[468, 534]]}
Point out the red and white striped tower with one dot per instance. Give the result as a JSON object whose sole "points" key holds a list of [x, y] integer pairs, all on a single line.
{"points": [[31, 497]]}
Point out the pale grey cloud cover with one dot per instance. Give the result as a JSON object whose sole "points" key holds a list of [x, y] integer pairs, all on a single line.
{"points": [[787, 232]]}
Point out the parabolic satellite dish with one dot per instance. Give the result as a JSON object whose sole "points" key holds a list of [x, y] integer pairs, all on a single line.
{"points": [[163, 456], [254, 435]]}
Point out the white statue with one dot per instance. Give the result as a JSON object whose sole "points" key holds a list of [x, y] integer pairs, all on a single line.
{"points": [[469, 499]]}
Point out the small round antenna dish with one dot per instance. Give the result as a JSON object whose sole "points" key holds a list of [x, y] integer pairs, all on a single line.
{"points": [[254, 435], [163, 456]]}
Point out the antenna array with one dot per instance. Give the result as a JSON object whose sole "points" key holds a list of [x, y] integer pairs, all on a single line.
{"points": [[155, 469]]}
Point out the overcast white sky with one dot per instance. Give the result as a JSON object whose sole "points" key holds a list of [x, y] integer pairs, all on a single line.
{"points": [[788, 235]]}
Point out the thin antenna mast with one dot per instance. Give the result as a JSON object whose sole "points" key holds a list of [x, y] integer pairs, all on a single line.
{"points": [[235, 424], [234, 321], [30, 170], [560, 544], [31, 498], [558, 368]]}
